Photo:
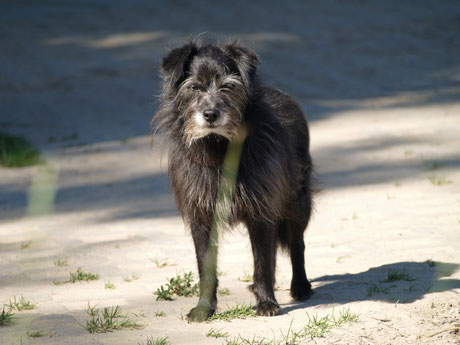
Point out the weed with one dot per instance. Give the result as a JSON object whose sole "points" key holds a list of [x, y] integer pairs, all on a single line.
{"points": [[432, 165], [246, 278], [108, 320], [438, 180], [16, 151], [237, 312], [20, 305], [179, 286], [160, 263], [216, 333], [131, 278], [157, 341], [374, 288], [159, 313], [6, 317], [39, 334], [221, 273], [223, 292], [61, 262], [411, 287], [431, 263], [395, 275], [397, 184], [25, 244], [80, 276], [109, 285]]}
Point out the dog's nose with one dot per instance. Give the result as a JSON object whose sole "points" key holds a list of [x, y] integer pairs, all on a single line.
{"points": [[211, 115]]}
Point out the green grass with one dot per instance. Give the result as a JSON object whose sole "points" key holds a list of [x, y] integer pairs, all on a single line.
{"points": [[131, 278], [25, 245], [246, 278], [237, 312], [157, 341], [223, 292], [16, 151], [21, 304], [109, 286], [61, 262], [160, 263], [39, 334], [6, 317], [216, 333], [159, 313], [177, 286], [432, 165], [316, 327], [431, 263], [374, 288], [395, 275], [438, 180], [108, 320], [79, 275]]}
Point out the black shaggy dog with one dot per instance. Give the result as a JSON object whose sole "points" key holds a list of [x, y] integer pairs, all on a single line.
{"points": [[210, 93]]}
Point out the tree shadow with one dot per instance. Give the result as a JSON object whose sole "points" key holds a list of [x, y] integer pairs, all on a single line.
{"points": [[418, 280]]}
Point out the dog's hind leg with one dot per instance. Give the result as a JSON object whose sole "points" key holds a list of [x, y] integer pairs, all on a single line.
{"points": [[292, 236], [206, 255], [264, 246]]}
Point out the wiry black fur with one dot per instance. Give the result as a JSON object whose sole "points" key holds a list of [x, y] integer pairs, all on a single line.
{"points": [[273, 195]]}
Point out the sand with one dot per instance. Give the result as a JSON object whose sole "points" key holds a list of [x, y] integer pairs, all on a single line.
{"points": [[380, 83]]}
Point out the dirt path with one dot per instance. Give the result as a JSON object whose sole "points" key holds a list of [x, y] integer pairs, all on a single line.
{"points": [[380, 82]]}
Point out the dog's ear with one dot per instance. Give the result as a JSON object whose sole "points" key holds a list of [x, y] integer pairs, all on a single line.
{"points": [[176, 64], [246, 60]]}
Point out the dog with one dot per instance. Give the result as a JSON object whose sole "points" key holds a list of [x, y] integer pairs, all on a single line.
{"points": [[211, 94]]}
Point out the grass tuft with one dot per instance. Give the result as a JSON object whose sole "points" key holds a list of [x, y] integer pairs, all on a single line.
{"points": [[159, 313], [39, 334], [21, 304], [109, 286], [6, 317], [216, 333], [108, 320], [223, 292], [61, 262], [178, 286], [246, 278], [25, 245], [395, 275], [80, 276], [157, 341], [131, 278], [374, 288], [438, 180], [237, 312], [16, 151], [160, 263]]}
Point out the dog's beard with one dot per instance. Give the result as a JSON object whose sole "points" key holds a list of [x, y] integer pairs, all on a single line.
{"points": [[197, 127]]}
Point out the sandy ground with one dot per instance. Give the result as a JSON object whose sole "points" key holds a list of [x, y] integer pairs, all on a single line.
{"points": [[380, 83]]}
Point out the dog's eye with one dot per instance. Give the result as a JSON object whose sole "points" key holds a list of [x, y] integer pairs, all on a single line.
{"points": [[195, 87]]}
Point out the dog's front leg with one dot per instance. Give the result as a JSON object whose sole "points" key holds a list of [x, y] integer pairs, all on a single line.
{"points": [[205, 242], [263, 242]]}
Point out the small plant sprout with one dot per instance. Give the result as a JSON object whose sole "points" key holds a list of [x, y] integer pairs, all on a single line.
{"points": [[108, 320], [374, 288], [438, 180], [25, 244], [159, 313], [21, 304], [223, 292], [109, 286], [131, 278], [79, 275], [246, 278], [216, 333], [39, 334], [61, 262], [160, 263]]}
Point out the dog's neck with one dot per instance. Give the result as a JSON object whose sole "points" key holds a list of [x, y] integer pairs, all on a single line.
{"points": [[208, 151]]}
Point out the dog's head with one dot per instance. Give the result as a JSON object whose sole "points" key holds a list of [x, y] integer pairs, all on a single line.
{"points": [[210, 86]]}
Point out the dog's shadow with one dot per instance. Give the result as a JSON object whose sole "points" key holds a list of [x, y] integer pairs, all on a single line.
{"points": [[402, 282]]}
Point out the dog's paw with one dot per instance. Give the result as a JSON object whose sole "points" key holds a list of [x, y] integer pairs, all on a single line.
{"points": [[268, 308], [200, 313], [302, 291]]}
